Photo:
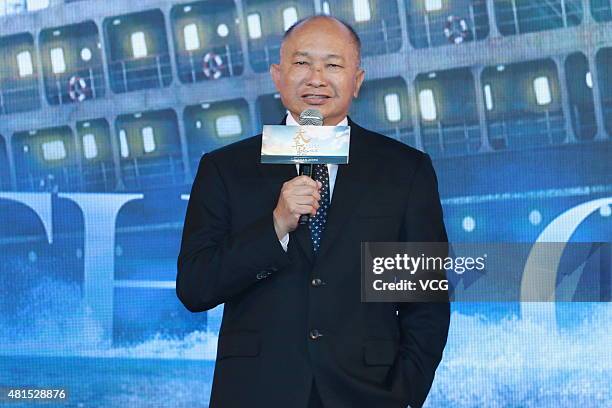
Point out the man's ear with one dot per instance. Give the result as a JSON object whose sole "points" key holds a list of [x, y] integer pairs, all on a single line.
{"points": [[275, 74], [358, 81]]}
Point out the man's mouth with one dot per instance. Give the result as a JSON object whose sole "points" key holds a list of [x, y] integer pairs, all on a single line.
{"points": [[315, 99]]}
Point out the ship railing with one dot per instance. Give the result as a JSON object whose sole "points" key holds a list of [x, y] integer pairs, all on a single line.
{"points": [[454, 139], [137, 172], [191, 64], [427, 30], [520, 130], [381, 31], [9, 8], [12, 99], [99, 176], [601, 11], [532, 13], [261, 58], [150, 173], [58, 89], [153, 71], [40, 179]]}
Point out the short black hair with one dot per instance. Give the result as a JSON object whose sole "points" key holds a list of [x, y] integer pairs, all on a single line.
{"points": [[352, 31]]}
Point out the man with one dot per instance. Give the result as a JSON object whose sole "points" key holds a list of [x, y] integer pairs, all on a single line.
{"points": [[294, 331]]}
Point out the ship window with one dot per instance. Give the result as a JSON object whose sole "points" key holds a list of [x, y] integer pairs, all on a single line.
{"points": [[428, 105], [289, 17], [54, 150], [589, 79], [433, 5], [123, 144], [24, 63], [361, 8], [228, 125], [90, 150], [254, 26], [139, 45], [541, 86], [192, 41], [326, 9], [222, 30], [488, 97], [86, 54], [34, 5], [392, 107], [148, 140], [58, 63]]}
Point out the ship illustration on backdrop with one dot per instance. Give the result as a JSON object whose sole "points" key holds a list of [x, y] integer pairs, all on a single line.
{"points": [[512, 99]]}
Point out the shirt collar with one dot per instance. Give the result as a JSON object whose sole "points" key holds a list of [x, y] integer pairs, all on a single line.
{"points": [[291, 122]]}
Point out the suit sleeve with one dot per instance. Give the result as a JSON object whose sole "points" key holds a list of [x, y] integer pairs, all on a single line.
{"points": [[216, 263], [424, 326]]}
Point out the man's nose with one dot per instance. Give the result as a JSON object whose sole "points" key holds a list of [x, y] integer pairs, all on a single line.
{"points": [[317, 76]]}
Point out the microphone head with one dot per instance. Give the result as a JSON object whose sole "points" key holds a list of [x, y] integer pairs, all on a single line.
{"points": [[311, 117]]}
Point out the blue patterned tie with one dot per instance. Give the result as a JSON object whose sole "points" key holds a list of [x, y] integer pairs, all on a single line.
{"points": [[317, 223]]}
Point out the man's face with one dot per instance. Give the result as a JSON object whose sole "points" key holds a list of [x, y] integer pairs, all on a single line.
{"points": [[319, 69]]}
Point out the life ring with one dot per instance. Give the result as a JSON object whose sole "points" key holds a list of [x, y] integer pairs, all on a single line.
{"points": [[212, 65], [456, 29], [77, 89]]}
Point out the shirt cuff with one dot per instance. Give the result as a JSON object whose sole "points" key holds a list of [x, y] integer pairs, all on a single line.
{"points": [[284, 241]]}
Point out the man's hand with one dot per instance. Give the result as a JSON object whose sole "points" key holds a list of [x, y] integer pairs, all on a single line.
{"points": [[298, 196]]}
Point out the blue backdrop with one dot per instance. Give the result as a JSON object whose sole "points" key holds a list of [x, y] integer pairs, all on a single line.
{"points": [[106, 108]]}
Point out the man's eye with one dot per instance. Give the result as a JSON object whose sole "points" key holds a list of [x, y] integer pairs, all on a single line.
{"points": [[335, 66], [300, 63]]}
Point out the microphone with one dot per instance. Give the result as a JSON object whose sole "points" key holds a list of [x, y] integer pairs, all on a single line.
{"points": [[309, 117]]}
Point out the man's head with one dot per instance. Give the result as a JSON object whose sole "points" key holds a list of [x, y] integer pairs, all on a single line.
{"points": [[319, 68]]}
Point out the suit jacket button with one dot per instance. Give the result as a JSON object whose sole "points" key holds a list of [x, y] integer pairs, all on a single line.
{"points": [[316, 282], [315, 334]]}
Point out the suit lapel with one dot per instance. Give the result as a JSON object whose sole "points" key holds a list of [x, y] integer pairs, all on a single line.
{"points": [[348, 188]]}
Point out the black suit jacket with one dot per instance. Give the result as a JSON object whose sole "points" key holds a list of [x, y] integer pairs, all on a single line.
{"points": [[380, 355]]}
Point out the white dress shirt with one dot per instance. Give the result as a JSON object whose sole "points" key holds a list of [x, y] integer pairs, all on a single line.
{"points": [[331, 168]]}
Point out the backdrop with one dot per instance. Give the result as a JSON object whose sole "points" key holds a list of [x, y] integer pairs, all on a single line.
{"points": [[107, 106]]}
